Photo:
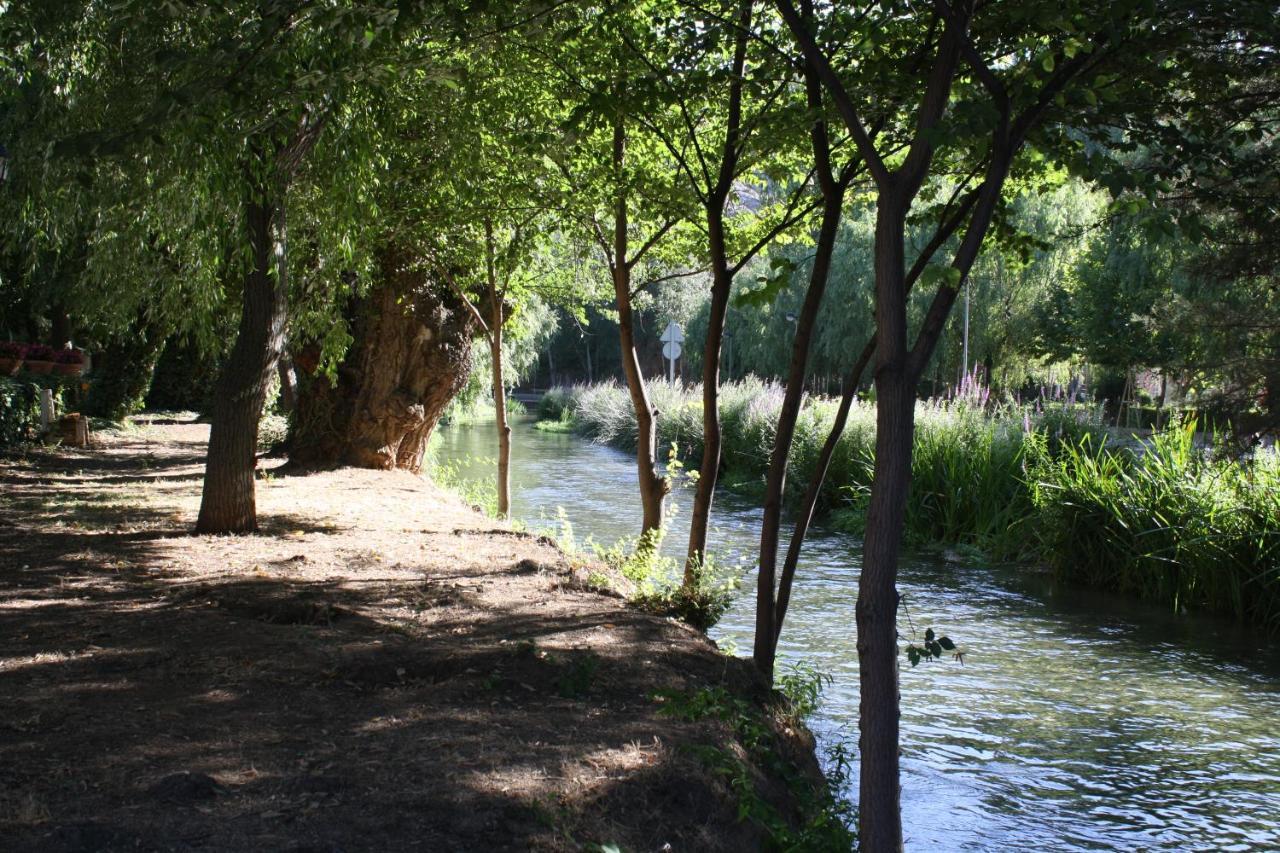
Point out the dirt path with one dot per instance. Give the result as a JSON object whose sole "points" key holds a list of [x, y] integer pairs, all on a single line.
{"points": [[380, 669]]}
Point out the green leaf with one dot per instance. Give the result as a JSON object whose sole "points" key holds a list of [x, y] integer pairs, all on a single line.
{"points": [[1047, 62], [946, 643]]}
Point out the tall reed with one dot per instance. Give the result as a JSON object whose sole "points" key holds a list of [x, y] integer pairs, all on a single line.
{"points": [[1162, 519]]}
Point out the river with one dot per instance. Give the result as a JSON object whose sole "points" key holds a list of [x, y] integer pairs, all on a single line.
{"points": [[1077, 721]]}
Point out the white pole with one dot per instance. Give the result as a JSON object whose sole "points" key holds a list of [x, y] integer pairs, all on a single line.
{"points": [[964, 368]]}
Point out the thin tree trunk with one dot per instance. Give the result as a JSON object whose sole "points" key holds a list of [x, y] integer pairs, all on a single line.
{"points": [[709, 470], [721, 283], [228, 502], [804, 516], [496, 321], [767, 618], [653, 486]]}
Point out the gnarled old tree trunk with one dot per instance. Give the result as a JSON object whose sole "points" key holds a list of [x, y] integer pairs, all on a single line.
{"points": [[410, 356]]}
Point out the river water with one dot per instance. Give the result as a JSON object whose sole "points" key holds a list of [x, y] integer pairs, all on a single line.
{"points": [[1078, 721]]}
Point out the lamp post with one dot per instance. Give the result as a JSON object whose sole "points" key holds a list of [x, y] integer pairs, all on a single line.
{"points": [[4, 163]]}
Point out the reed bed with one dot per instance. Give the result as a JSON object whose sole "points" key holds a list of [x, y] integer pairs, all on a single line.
{"points": [[1162, 519]]}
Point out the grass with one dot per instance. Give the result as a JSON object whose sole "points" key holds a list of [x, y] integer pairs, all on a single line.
{"points": [[1165, 521], [1162, 519]]}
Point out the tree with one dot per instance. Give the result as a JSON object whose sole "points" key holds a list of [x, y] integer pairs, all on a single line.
{"points": [[974, 115], [624, 193], [734, 150]]}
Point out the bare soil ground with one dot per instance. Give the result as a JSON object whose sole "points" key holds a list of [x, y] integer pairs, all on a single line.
{"points": [[381, 668]]}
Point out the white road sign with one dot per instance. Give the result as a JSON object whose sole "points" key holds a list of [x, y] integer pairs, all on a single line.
{"points": [[673, 335], [671, 350]]}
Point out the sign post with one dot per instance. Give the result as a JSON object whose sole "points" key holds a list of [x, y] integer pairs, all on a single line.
{"points": [[671, 340]]}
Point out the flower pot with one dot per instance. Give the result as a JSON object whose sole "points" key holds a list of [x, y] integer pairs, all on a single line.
{"points": [[38, 367], [9, 366], [68, 369]]}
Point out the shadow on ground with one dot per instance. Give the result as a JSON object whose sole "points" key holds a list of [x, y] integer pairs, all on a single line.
{"points": [[412, 685]]}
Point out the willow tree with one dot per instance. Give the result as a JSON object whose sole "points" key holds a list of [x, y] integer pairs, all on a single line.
{"points": [[231, 103]]}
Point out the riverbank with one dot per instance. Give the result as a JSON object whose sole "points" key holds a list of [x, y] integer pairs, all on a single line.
{"points": [[380, 668], [1046, 485]]}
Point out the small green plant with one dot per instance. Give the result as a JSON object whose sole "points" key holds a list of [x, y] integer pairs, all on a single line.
{"points": [[481, 493], [577, 676], [803, 684], [827, 823]]}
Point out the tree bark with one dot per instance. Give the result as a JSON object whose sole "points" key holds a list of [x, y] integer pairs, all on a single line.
{"points": [[496, 320], [767, 618], [653, 486], [123, 371], [877, 607], [709, 470], [228, 502], [721, 283], [410, 356], [288, 383], [804, 516]]}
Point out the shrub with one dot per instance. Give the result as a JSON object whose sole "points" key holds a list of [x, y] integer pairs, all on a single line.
{"points": [[19, 411], [67, 355], [12, 349]]}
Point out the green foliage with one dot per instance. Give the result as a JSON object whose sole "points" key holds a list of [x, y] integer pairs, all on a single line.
{"points": [[1166, 521], [481, 494], [826, 817], [802, 684], [658, 581], [933, 648], [20, 410], [967, 469]]}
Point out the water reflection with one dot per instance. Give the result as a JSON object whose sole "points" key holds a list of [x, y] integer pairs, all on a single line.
{"points": [[1077, 722]]}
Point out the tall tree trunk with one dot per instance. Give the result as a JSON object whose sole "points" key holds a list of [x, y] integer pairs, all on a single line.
{"points": [[228, 502], [497, 319], [409, 357], [653, 486], [500, 417], [123, 371], [709, 470], [804, 515], [767, 617], [60, 326], [288, 383], [877, 608], [721, 284]]}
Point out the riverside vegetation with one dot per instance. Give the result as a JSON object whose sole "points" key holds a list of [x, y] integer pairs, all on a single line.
{"points": [[1162, 518]]}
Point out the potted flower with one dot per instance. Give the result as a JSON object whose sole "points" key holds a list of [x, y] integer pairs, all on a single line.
{"points": [[11, 353], [39, 358], [69, 362]]}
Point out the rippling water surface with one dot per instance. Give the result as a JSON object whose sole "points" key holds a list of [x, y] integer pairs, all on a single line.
{"points": [[1078, 721]]}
